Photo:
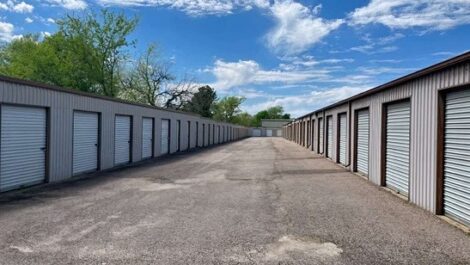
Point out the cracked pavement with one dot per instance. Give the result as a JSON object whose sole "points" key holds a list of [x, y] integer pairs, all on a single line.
{"points": [[256, 201]]}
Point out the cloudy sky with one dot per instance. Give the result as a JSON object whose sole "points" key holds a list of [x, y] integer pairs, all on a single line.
{"points": [[301, 54]]}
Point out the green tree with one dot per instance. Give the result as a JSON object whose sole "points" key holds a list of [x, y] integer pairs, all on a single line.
{"points": [[227, 108], [244, 119], [107, 33], [202, 101], [276, 112], [86, 53]]}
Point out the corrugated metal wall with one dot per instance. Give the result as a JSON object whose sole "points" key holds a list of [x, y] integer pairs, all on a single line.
{"points": [[61, 106], [423, 93]]}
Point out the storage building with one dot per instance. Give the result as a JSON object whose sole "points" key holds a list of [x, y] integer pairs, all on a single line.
{"points": [[411, 135], [49, 134]]}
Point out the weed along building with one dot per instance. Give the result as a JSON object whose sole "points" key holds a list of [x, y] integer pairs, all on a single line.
{"points": [[411, 135], [49, 134]]}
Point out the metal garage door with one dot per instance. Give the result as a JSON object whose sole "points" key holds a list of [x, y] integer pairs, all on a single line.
{"points": [[23, 147], [329, 131], [85, 141], [342, 138], [279, 133], [165, 137], [457, 156], [256, 132], [320, 137], [147, 138], [397, 169], [122, 139], [362, 130], [269, 133]]}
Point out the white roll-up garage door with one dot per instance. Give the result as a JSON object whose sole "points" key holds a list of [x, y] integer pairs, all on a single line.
{"points": [[23, 146], [398, 147], [256, 132], [269, 133], [122, 139], [343, 137], [147, 138], [85, 141], [362, 130], [457, 156], [165, 137], [320, 135], [329, 131]]}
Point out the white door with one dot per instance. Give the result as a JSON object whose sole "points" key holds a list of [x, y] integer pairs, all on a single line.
{"points": [[165, 137], [279, 133], [269, 133], [457, 156], [343, 138], [85, 141], [122, 139], [320, 136], [147, 138], [23, 146], [362, 130], [329, 136], [398, 147], [256, 132]]}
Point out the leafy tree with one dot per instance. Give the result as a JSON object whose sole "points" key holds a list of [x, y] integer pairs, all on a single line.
{"points": [[108, 36], [86, 53], [276, 112], [202, 101], [244, 119], [227, 108]]}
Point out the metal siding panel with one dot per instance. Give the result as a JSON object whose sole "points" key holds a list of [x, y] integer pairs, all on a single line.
{"points": [[122, 139], [321, 135], [85, 142], [457, 156], [343, 138], [329, 131], [147, 138], [398, 147], [23, 143], [165, 137], [362, 130]]}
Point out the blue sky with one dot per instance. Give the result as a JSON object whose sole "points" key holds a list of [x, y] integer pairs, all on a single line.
{"points": [[299, 54]]}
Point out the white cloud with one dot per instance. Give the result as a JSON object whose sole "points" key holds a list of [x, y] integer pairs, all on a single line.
{"points": [[402, 14], [372, 49], [69, 4], [298, 27], [7, 32], [236, 74], [14, 6], [4, 6], [50, 20], [194, 7], [28, 20], [443, 53], [23, 8], [301, 104]]}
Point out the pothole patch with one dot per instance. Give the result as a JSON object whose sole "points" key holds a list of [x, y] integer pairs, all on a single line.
{"points": [[288, 245]]}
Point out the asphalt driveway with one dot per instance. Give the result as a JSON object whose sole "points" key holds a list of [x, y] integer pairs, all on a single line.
{"points": [[256, 201]]}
